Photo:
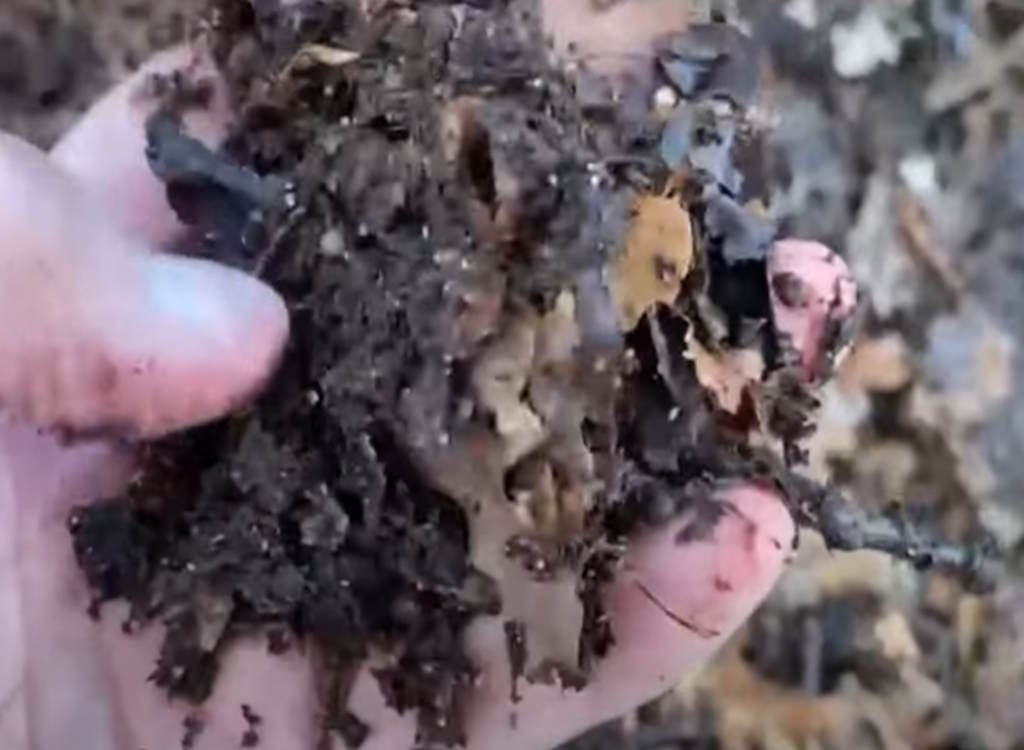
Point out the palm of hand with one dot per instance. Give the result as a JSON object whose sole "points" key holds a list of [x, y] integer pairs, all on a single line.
{"points": [[164, 366]]}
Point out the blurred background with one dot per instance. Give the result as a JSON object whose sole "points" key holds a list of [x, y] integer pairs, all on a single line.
{"points": [[895, 133]]}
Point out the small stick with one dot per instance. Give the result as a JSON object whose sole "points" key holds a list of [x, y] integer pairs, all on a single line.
{"points": [[920, 241], [846, 526]]}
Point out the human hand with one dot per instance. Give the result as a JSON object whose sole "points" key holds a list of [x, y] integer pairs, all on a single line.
{"points": [[102, 334]]}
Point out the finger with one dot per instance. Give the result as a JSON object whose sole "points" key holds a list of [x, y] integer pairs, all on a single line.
{"points": [[63, 681], [13, 729], [106, 148], [112, 336], [90, 681], [813, 293], [714, 583], [616, 38]]}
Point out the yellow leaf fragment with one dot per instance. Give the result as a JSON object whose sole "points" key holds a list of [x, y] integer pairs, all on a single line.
{"points": [[657, 257]]}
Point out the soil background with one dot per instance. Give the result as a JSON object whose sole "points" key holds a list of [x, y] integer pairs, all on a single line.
{"points": [[898, 138]]}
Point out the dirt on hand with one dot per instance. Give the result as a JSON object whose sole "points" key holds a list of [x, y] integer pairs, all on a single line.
{"points": [[529, 316]]}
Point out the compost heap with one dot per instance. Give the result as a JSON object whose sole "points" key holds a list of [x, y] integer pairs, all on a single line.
{"points": [[531, 311]]}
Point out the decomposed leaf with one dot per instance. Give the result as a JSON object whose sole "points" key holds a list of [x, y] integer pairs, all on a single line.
{"points": [[725, 374], [657, 257]]}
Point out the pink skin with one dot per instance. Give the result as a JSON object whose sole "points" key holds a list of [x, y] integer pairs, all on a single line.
{"points": [[821, 290], [80, 283]]}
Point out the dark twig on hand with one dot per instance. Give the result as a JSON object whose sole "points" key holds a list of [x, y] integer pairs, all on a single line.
{"points": [[845, 526]]}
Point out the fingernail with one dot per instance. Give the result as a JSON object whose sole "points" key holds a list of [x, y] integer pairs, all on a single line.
{"points": [[216, 335], [216, 300]]}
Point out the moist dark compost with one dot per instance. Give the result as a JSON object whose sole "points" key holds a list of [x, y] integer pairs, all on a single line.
{"points": [[531, 312]]}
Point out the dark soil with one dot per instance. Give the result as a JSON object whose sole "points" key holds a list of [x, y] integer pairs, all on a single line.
{"points": [[459, 415], [57, 57]]}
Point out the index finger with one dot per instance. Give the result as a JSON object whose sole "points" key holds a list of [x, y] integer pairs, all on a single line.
{"points": [[106, 149]]}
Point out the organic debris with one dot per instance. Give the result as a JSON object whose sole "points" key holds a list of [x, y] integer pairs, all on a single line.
{"points": [[896, 139], [520, 332], [658, 256], [726, 375]]}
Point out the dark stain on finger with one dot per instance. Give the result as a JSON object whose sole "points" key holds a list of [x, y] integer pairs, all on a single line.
{"points": [[750, 527], [144, 367], [251, 737], [790, 289], [111, 431], [706, 513], [749, 534], [103, 378], [193, 726]]}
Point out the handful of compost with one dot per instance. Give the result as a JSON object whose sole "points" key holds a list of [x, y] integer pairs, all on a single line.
{"points": [[536, 309]]}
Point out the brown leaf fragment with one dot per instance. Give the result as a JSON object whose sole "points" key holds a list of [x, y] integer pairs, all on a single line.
{"points": [[657, 257], [532, 489], [880, 364], [725, 374]]}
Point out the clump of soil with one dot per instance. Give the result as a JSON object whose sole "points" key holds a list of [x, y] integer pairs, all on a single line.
{"points": [[529, 314]]}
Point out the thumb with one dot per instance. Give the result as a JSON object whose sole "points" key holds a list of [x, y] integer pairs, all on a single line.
{"points": [[97, 333]]}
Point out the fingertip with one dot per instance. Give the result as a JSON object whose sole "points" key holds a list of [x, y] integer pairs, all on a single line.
{"points": [[100, 334], [766, 523], [106, 149], [214, 337], [710, 576], [677, 600], [812, 291]]}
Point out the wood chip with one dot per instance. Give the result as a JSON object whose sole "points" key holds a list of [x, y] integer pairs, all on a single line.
{"points": [[725, 374]]}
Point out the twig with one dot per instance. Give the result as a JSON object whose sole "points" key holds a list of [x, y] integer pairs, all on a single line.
{"points": [[846, 526], [920, 241], [282, 231]]}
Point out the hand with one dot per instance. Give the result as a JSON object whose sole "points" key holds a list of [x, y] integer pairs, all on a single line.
{"points": [[102, 334]]}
